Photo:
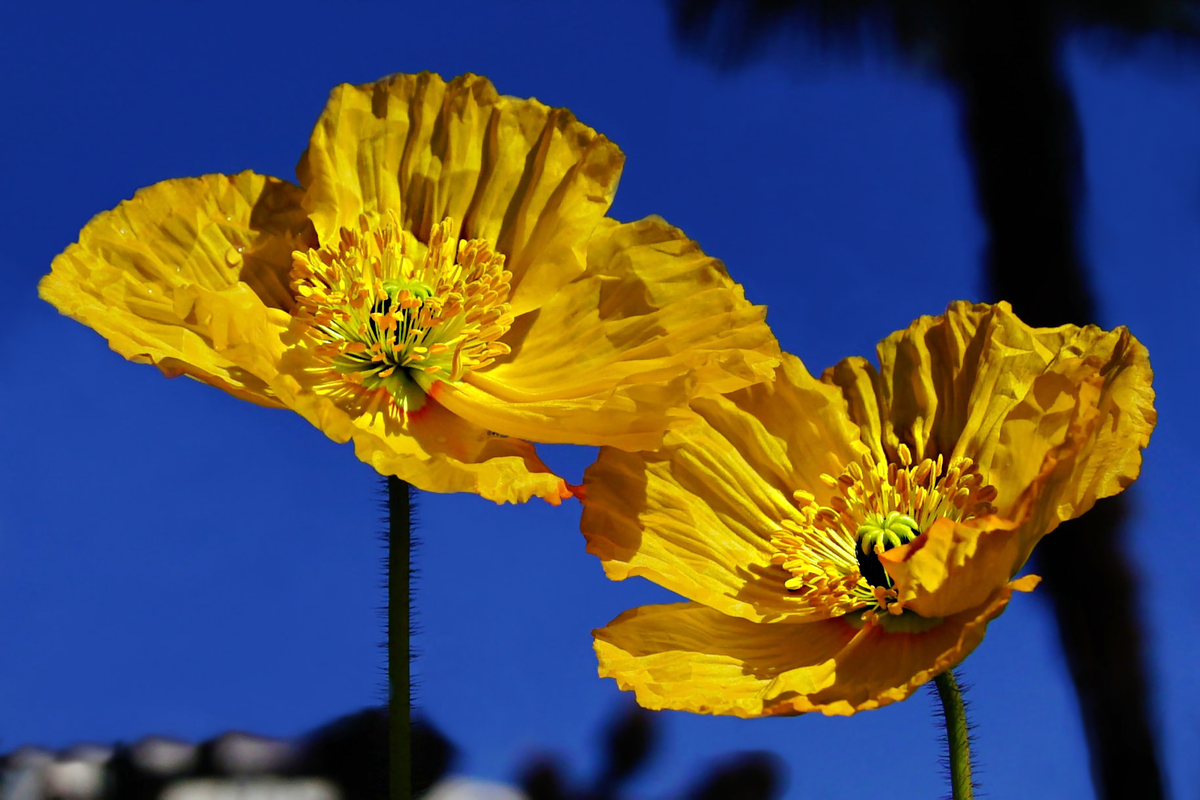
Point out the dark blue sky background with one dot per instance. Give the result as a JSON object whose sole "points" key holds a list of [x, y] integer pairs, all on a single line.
{"points": [[175, 561]]}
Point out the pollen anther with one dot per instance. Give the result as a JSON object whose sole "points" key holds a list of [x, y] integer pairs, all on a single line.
{"points": [[385, 312], [832, 551]]}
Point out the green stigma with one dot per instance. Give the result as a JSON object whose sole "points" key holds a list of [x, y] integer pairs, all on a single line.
{"points": [[392, 287], [891, 531], [882, 532]]}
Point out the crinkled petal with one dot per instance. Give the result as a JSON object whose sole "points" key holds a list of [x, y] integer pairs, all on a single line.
{"points": [[689, 657], [697, 516], [189, 275], [531, 179], [954, 566], [859, 381], [432, 449], [1077, 435], [978, 382], [613, 357], [946, 383]]}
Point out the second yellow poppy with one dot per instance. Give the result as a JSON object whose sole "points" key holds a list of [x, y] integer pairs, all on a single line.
{"points": [[843, 540]]}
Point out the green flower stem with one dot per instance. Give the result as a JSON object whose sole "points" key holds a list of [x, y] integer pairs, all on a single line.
{"points": [[399, 678], [958, 737]]}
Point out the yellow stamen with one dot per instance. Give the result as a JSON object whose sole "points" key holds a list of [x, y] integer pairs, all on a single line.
{"points": [[832, 551], [386, 313]]}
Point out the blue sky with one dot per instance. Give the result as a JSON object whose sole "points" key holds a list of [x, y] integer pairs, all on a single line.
{"points": [[175, 561]]}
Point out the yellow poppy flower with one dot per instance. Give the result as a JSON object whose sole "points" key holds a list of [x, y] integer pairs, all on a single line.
{"points": [[843, 540], [442, 288]]}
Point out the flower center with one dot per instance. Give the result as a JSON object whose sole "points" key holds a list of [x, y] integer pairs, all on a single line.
{"points": [[832, 551], [386, 316], [878, 534]]}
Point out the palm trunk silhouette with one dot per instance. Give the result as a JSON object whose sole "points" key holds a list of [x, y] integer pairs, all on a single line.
{"points": [[1002, 57], [1025, 145]]}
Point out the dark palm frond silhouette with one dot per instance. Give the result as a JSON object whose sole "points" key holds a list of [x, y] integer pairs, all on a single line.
{"points": [[1002, 58]]}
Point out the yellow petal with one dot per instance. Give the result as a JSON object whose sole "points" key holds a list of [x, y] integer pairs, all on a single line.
{"points": [[859, 381], [691, 658], [954, 566], [531, 179], [945, 383], [189, 275], [697, 516], [613, 357], [433, 449], [1061, 411], [1077, 435]]}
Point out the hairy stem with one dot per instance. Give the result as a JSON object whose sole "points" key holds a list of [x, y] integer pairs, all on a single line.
{"points": [[399, 679], [958, 738]]}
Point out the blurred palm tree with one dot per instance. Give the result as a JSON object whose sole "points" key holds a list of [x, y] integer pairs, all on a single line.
{"points": [[1003, 60]]}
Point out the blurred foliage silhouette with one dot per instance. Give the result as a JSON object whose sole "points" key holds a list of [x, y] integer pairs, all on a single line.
{"points": [[346, 759], [629, 746], [1023, 140]]}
